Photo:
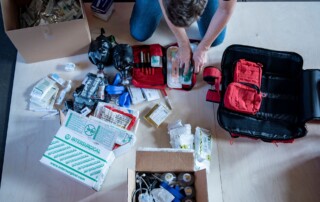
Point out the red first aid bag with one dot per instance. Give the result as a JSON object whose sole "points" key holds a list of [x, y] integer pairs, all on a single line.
{"points": [[151, 67], [264, 94], [248, 72], [242, 98]]}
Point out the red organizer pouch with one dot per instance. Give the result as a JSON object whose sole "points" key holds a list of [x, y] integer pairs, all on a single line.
{"points": [[248, 72], [242, 98], [243, 95], [153, 77], [143, 75]]}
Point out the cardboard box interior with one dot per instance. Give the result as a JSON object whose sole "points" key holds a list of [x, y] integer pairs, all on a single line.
{"points": [[168, 160], [45, 42]]}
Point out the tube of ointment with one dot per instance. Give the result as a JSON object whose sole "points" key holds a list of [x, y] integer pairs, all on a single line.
{"points": [[203, 148]]}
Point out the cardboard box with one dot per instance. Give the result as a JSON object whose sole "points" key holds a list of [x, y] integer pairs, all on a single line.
{"points": [[74, 152], [168, 160], [83, 148], [46, 41], [78, 158]]}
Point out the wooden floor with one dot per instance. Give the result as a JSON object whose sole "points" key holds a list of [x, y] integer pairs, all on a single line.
{"points": [[245, 171]]}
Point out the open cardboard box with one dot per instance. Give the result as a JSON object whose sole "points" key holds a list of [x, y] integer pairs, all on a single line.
{"points": [[45, 42], [168, 160]]}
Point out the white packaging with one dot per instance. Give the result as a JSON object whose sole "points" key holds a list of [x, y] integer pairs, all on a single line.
{"points": [[57, 79], [151, 94], [103, 133], [186, 141], [79, 158], [47, 100], [161, 195], [203, 149], [64, 92], [181, 137], [128, 139], [69, 67], [42, 87], [176, 124], [135, 113], [157, 114], [121, 136], [37, 108], [136, 95]]}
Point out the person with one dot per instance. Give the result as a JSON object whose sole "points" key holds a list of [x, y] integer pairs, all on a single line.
{"points": [[211, 16]]}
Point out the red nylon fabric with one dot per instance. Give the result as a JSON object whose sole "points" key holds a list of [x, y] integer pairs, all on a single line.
{"points": [[242, 98], [213, 96], [144, 76], [212, 76], [248, 72]]}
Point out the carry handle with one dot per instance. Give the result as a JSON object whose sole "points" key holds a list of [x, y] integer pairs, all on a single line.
{"points": [[212, 75]]}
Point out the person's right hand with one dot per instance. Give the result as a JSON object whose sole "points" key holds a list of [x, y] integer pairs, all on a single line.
{"points": [[184, 57]]}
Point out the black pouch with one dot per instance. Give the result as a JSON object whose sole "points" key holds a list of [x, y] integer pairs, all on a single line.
{"points": [[290, 95], [100, 50]]}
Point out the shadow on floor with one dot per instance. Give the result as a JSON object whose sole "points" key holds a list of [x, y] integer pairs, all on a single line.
{"points": [[8, 55]]}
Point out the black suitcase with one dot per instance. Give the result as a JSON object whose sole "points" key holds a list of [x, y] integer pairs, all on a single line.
{"points": [[290, 95]]}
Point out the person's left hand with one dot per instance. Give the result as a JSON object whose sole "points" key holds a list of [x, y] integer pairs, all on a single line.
{"points": [[199, 58]]}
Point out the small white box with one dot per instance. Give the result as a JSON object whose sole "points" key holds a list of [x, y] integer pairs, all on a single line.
{"points": [[78, 157]]}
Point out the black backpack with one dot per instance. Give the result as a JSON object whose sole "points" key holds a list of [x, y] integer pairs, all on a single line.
{"points": [[290, 96]]}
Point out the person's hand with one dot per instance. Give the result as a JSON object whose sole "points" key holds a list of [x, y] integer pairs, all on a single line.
{"points": [[199, 59], [184, 57]]}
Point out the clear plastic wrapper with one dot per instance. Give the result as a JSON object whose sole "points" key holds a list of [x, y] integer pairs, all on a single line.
{"points": [[203, 149], [175, 71], [42, 87], [180, 136], [175, 124], [43, 95], [122, 117], [64, 92]]}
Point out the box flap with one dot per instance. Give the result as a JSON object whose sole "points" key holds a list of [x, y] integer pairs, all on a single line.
{"points": [[49, 41], [131, 183], [45, 42], [201, 185], [9, 14], [163, 160]]}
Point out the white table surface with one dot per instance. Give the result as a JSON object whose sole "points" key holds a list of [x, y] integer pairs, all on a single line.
{"points": [[245, 171]]}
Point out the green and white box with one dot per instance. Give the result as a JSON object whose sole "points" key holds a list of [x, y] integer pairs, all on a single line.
{"points": [[78, 157]]}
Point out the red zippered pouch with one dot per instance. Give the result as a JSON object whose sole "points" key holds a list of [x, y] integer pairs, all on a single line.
{"points": [[153, 69], [243, 94], [242, 98], [248, 72]]}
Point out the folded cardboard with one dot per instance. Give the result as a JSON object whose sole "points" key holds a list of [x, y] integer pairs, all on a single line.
{"points": [[45, 42], [168, 160]]}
